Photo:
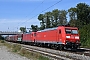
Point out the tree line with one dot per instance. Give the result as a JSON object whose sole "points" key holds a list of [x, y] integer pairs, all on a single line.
{"points": [[79, 16]]}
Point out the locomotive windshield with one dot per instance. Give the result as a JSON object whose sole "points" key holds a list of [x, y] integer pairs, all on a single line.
{"points": [[69, 31], [74, 31]]}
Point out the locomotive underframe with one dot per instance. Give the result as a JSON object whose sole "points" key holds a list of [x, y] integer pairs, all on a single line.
{"points": [[72, 45]]}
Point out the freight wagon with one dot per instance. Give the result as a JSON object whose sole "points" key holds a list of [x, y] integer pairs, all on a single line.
{"points": [[13, 38]]}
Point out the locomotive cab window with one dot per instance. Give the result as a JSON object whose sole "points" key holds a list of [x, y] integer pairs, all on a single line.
{"points": [[69, 31], [74, 31]]}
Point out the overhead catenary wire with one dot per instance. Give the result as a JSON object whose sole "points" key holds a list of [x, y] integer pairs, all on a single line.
{"points": [[41, 11], [31, 12]]}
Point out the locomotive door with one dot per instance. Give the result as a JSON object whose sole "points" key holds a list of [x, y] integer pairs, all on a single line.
{"points": [[59, 36], [33, 36]]}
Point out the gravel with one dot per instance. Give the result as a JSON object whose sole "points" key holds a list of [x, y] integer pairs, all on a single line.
{"points": [[5, 54]]}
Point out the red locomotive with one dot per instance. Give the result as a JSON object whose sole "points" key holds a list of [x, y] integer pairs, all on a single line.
{"points": [[29, 37], [60, 37]]}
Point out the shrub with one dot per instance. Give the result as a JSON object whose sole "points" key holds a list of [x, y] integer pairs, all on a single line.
{"points": [[2, 41]]}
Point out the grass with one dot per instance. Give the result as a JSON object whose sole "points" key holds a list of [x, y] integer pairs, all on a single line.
{"points": [[23, 52], [2, 41], [43, 58]]}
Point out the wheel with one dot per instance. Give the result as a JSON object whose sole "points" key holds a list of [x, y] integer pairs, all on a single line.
{"points": [[60, 47], [55, 47]]}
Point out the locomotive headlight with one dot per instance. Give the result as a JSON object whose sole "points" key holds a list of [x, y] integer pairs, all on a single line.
{"points": [[67, 36], [76, 37]]}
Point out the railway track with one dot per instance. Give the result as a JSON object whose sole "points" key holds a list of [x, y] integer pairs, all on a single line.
{"points": [[80, 54], [46, 52], [81, 51], [63, 55]]}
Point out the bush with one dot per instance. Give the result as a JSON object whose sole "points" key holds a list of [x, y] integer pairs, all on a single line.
{"points": [[2, 41], [85, 35]]}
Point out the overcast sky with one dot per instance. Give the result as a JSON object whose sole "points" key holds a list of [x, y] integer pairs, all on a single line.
{"points": [[21, 13]]}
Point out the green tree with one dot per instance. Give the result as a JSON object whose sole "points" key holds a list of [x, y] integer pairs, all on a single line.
{"points": [[47, 19], [23, 29], [34, 28], [41, 19], [73, 16], [55, 14], [62, 17], [83, 13], [79, 15]]}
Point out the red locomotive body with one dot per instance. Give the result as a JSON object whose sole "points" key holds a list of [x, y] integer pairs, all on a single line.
{"points": [[61, 37], [29, 37]]}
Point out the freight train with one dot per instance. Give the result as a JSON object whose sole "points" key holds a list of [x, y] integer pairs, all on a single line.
{"points": [[61, 37]]}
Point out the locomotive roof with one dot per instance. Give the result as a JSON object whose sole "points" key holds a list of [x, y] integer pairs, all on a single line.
{"points": [[56, 28], [47, 29], [71, 27]]}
